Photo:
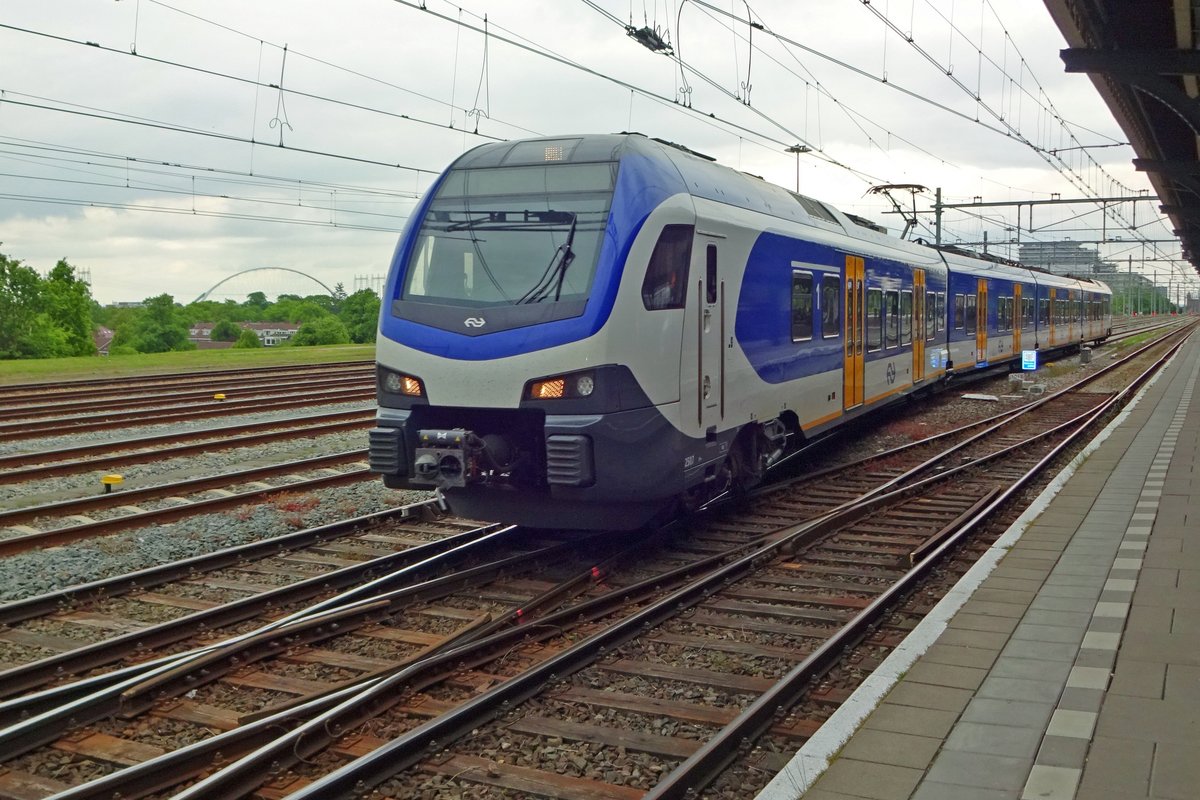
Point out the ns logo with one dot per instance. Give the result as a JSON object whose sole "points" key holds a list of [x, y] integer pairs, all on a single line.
{"points": [[474, 322]]}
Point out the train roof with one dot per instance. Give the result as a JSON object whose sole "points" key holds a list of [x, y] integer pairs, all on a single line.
{"points": [[703, 177]]}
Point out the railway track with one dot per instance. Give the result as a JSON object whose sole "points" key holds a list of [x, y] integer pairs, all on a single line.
{"points": [[92, 406], [12, 431], [768, 594], [35, 465], [214, 379], [182, 500]]}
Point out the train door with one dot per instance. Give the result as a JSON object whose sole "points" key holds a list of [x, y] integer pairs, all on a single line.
{"points": [[854, 358], [1017, 318], [981, 315], [1053, 313], [918, 326], [710, 334]]}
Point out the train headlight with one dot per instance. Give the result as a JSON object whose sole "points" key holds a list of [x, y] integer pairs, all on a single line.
{"points": [[548, 390], [399, 383], [577, 384]]}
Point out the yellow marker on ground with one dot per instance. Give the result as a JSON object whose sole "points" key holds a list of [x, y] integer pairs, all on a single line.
{"points": [[110, 481], [218, 396]]}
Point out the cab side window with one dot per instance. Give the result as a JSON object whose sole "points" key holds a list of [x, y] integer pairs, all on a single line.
{"points": [[665, 285]]}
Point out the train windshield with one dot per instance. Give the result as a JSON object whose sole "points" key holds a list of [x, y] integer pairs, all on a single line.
{"points": [[512, 236]]}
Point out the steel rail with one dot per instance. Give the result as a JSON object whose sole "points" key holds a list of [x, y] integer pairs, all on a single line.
{"points": [[125, 497], [56, 537], [44, 717], [262, 729], [12, 431], [98, 654], [90, 406], [702, 767], [246, 380], [219, 438], [89, 384], [40, 605], [218, 660]]}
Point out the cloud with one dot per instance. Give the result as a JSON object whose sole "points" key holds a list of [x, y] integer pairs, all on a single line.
{"points": [[341, 173]]}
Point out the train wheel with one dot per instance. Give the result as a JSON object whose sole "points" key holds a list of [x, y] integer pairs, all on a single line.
{"points": [[747, 459]]}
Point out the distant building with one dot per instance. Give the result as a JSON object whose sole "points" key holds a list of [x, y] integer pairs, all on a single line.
{"points": [[102, 337], [1062, 258], [269, 333]]}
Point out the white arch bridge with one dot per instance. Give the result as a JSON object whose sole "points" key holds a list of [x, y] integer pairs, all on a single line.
{"points": [[205, 295]]}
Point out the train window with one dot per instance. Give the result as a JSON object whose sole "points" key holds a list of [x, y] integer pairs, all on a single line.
{"points": [[891, 331], [1008, 312], [960, 314], [802, 306], [941, 311], [665, 285], [930, 315], [710, 274], [511, 236], [1026, 312], [831, 306], [906, 317], [1043, 312], [970, 314], [874, 319]]}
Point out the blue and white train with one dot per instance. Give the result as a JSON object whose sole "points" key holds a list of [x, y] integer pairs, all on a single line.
{"points": [[591, 331]]}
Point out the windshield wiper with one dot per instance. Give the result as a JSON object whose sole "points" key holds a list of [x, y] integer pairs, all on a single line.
{"points": [[503, 220], [555, 271]]}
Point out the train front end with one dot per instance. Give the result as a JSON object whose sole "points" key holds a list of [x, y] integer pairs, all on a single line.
{"points": [[497, 380]]}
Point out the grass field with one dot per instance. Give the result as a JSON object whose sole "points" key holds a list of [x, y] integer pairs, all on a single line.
{"points": [[41, 370]]}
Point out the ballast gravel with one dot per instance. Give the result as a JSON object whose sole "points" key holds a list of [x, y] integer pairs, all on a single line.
{"points": [[184, 467], [40, 571]]}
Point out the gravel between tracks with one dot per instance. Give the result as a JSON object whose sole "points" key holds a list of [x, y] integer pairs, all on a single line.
{"points": [[47, 570]]}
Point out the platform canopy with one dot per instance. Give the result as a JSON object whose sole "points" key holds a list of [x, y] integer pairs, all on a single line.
{"points": [[1142, 57]]}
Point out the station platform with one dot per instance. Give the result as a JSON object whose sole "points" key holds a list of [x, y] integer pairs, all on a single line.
{"points": [[1067, 663]]}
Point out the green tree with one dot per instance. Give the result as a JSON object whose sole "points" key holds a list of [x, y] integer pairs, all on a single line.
{"points": [[324, 301], [293, 309], [68, 302], [360, 315], [159, 327], [43, 318], [256, 300], [20, 302], [226, 331], [326, 330], [247, 339]]}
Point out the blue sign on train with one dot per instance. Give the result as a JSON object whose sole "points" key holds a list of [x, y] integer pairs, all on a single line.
{"points": [[1029, 359]]}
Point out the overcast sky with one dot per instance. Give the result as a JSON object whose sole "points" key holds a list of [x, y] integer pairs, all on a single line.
{"points": [[148, 142]]}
